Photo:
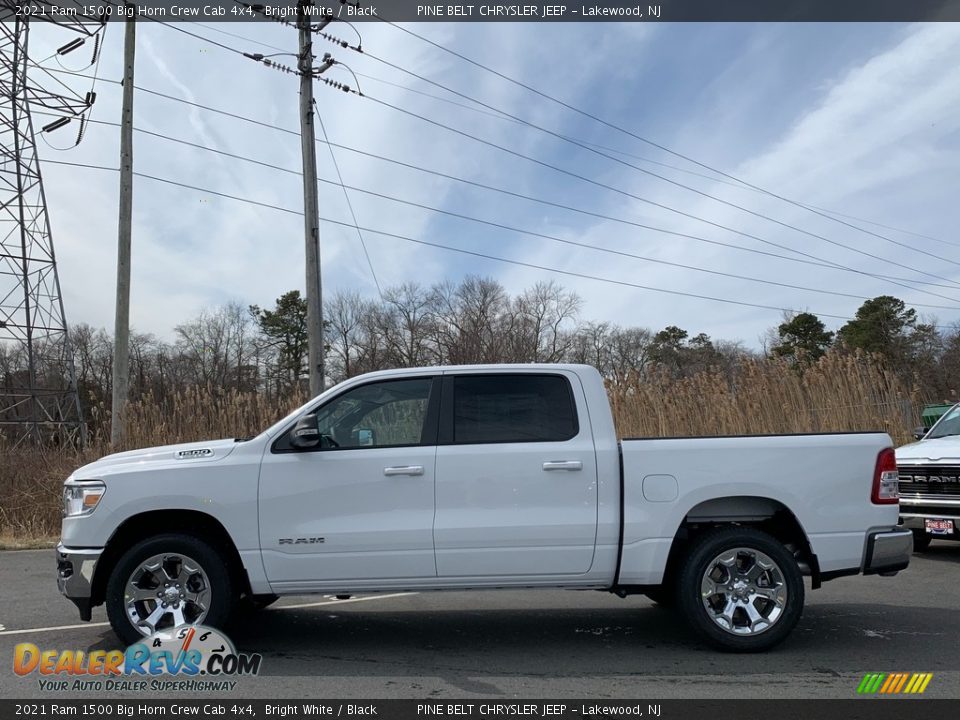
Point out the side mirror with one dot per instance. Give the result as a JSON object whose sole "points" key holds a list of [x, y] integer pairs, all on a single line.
{"points": [[306, 434], [919, 432]]}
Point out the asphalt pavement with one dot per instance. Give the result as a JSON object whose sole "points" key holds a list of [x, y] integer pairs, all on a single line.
{"points": [[538, 643]]}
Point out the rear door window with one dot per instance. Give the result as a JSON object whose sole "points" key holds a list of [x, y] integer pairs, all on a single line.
{"points": [[513, 408]]}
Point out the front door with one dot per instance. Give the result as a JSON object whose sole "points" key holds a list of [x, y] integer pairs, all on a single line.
{"points": [[359, 507]]}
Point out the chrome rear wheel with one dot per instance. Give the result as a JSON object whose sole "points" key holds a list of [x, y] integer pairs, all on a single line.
{"points": [[743, 591], [740, 588]]}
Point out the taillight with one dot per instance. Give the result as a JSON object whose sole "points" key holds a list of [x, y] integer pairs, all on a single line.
{"points": [[886, 480]]}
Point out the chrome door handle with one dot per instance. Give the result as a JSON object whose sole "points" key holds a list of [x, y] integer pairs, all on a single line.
{"points": [[563, 465], [404, 470]]}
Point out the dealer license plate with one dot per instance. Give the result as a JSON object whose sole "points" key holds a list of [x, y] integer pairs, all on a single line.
{"points": [[938, 527]]}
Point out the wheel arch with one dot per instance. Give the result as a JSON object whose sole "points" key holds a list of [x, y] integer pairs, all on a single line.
{"points": [[156, 522], [763, 513]]}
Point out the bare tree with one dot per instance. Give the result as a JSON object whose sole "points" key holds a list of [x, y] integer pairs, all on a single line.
{"points": [[542, 317], [410, 322], [217, 348], [473, 321], [344, 314]]}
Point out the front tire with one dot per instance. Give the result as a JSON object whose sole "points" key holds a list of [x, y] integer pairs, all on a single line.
{"points": [[741, 589], [165, 581]]}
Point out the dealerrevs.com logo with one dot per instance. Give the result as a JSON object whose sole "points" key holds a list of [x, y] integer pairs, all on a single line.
{"points": [[186, 658]]}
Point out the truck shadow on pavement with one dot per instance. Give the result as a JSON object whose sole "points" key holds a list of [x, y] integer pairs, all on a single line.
{"points": [[943, 551], [830, 639], [471, 649]]}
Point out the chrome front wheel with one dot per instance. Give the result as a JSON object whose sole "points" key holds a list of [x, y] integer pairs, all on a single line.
{"points": [[167, 590], [169, 580]]}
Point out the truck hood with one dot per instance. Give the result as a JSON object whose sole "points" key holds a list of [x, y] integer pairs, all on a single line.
{"points": [[184, 454], [937, 450]]}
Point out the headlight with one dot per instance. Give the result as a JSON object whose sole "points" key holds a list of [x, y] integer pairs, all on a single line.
{"points": [[81, 498]]}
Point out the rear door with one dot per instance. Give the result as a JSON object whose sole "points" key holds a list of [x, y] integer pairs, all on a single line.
{"points": [[516, 476]]}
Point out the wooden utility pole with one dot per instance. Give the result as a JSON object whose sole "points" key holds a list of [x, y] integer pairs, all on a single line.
{"points": [[121, 340], [311, 222]]}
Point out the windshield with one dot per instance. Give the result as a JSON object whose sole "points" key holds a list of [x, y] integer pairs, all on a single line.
{"points": [[949, 424]]}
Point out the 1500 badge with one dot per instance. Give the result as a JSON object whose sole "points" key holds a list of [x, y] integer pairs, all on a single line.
{"points": [[302, 541], [197, 453]]}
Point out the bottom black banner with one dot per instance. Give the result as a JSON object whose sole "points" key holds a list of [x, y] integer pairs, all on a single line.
{"points": [[866, 708]]}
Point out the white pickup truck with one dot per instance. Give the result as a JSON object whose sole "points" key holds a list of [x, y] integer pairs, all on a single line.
{"points": [[930, 482], [482, 477]]}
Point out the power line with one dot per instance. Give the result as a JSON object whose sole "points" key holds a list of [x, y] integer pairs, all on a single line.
{"points": [[676, 183], [346, 196], [90, 166], [662, 206], [644, 159], [498, 225], [472, 108], [49, 72], [65, 71], [500, 116], [241, 37], [638, 197], [886, 227], [666, 207], [652, 174], [176, 26], [497, 114], [522, 196], [613, 126], [450, 248]]}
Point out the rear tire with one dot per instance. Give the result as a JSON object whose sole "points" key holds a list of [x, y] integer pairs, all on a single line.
{"points": [[921, 541], [740, 589], [165, 581]]}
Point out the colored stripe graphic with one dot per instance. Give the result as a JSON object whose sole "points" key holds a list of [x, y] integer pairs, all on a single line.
{"points": [[870, 683], [903, 680], [894, 683], [891, 680]]}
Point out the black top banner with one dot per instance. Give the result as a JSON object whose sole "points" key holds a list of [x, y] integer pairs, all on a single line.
{"points": [[481, 709], [95, 11]]}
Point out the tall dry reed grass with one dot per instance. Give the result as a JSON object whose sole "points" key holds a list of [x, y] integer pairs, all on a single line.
{"points": [[839, 393], [30, 477]]}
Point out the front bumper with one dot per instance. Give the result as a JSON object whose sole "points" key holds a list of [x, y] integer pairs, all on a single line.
{"points": [[915, 517], [888, 551], [75, 568]]}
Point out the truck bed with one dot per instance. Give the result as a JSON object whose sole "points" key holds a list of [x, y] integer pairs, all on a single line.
{"points": [[823, 478]]}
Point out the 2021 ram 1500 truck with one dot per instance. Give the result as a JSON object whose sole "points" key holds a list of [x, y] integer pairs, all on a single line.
{"points": [[503, 476], [930, 482]]}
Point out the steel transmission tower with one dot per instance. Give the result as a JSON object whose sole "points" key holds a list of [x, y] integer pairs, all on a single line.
{"points": [[38, 390]]}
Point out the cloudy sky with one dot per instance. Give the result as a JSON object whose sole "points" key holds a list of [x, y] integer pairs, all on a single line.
{"points": [[857, 119]]}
